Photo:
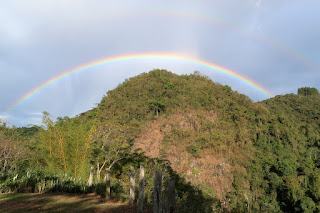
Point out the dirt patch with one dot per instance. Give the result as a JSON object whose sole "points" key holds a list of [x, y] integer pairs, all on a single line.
{"points": [[150, 140], [212, 170]]}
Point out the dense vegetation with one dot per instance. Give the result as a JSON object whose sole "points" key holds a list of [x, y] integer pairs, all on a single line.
{"points": [[270, 150]]}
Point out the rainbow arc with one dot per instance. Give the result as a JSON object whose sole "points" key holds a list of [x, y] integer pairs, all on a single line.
{"points": [[139, 56]]}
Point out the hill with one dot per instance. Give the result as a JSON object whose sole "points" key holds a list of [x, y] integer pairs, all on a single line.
{"points": [[256, 157]]}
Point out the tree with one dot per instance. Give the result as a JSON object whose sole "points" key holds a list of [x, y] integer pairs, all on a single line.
{"points": [[109, 146], [12, 151], [65, 144], [157, 105], [227, 88], [307, 91]]}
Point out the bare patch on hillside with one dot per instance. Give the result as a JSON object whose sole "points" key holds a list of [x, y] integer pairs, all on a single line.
{"points": [[210, 169]]}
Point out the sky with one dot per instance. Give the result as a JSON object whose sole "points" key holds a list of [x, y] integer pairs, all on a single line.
{"points": [[275, 44]]}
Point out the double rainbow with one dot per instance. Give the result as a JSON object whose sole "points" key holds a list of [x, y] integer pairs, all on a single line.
{"points": [[140, 56]]}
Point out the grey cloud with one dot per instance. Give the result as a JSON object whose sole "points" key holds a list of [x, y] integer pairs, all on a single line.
{"points": [[41, 39]]}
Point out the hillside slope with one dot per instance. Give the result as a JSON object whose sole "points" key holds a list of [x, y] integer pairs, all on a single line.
{"points": [[252, 156]]}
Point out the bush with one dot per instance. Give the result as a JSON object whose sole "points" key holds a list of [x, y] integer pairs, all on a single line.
{"points": [[37, 181]]}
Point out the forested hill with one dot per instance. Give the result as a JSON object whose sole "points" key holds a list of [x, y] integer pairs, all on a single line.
{"points": [[146, 97], [252, 157], [257, 156]]}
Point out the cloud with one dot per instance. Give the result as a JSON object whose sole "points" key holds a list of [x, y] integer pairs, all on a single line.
{"points": [[258, 3], [42, 39]]}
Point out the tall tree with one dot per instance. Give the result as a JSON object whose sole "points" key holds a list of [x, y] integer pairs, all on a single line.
{"points": [[109, 146], [12, 150], [65, 145]]}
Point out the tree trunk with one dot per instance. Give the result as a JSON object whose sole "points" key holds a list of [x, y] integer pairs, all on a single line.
{"points": [[171, 197], [132, 185], [91, 176], [157, 192], [98, 173], [141, 189], [108, 193]]}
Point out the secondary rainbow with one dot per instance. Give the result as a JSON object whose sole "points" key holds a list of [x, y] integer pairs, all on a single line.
{"points": [[267, 41], [140, 56]]}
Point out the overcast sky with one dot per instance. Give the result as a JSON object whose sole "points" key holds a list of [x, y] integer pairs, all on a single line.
{"points": [[276, 43]]}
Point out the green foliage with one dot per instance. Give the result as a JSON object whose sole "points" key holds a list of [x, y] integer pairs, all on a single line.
{"points": [[196, 171], [109, 145], [227, 88], [307, 91], [27, 131], [157, 105], [192, 199], [65, 145], [39, 181]]}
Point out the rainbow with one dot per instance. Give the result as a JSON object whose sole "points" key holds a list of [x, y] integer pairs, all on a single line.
{"points": [[140, 56]]}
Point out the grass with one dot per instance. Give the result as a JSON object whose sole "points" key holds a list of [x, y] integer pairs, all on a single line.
{"points": [[60, 202]]}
